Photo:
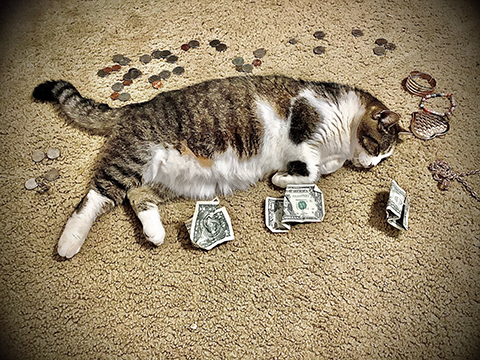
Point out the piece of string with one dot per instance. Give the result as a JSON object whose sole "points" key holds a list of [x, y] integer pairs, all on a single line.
{"points": [[443, 173]]}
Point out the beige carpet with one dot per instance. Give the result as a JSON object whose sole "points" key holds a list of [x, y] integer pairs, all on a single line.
{"points": [[350, 287]]}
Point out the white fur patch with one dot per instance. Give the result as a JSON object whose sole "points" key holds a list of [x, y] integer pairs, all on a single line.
{"points": [[79, 224], [152, 225]]}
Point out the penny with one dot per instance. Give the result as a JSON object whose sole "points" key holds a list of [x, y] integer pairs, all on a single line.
{"points": [[157, 84], [357, 32], [117, 58], [125, 61], [124, 96], [116, 67], [215, 43], [52, 174], [145, 59], [381, 42], [179, 70], [292, 41], [127, 82], [221, 47], [165, 74], [38, 155], [247, 68], [390, 46], [185, 47], [107, 70], [238, 61], [319, 34], [165, 54], [171, 59], [379, 50], [101, 73], [153, 78], [52, 153], [194, 44], [259, 53], [31, 184], [118, 86], [319, 50], [114, 95], [257, 62]]}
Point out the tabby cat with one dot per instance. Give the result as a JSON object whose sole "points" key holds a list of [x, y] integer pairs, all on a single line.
{"points": [[216, 137]]}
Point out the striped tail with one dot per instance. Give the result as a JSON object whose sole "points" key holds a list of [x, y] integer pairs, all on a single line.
{"points": [[86, 113]]}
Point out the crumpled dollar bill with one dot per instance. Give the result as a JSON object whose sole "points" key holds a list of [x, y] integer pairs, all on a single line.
{"points": [[398, 207]]}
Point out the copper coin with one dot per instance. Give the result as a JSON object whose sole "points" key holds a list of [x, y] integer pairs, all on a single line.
{"points": [[221, 47], [390, 46], [114, 95], [127, 82], [357, 32], [157, 84], [145, 59], [319, 50], [381, 42], [179, 70], [257, 62], [379, 50], [194, 44], [259, 53], [319, 34], [185, 47], [116, 67], [215, 43]]}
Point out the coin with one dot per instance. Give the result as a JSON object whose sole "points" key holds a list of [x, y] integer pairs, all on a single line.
{"points": [[101, 73], [127, 82], [31, 184], [259, 53], [107, 70], [41, 184], [247, 68], [164, 74], [153, 78], [292, 41], [124, 61], [221, 47], [390, 46], [379, 50], [178, 70], [52, 174], [135, 73], [165, 54], [319, 50], [157, 54], [185, 47], [193, 44], [357, 32], [52, 153], [124, 96], [215, 43], [257, 62], [238, 61], [381, 42], [319, 34], [118, 86], [116, 67], [127, 76], [117, 58], [38, 155], [171, 59], [145, 58], [157, 84], [114, 95]]}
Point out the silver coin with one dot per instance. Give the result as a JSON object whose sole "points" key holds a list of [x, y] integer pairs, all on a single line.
{"points": [[118, 86], [165, 54], [379, 50], [124, 96], [193, 44], [157, 54], [153, 78], [164, 74], [52, 174], [357, 32], [124, 61], [238, 61], [171, 59], [31, 184], [292, 41], [381, 42], [52, 153], [247, 68], [319, 34], [38, 155], [259, 53], [134, 73], [214, 43], [319, 50], [390, 46], [127, 76], [101, 73], [221, 47], [145, 59], [179, 70], [117, 58]]}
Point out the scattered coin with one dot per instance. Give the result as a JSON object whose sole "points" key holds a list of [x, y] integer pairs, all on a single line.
{"points": [[247, 68], [257, 62], [153, 78], [319, 50], [127, 82], [52, 174], [292, 41], [117, 58], [381, 42], [165, 54], [259, 53], [157, 84], [157, 54], [107, 70], [390, 46], [124, 96], [116, 67], [134, 73], [319, 34], [145, 59], [52, 153], [31, 184], [238, 61], [379, 50], [171, 59], [357, 32], [164, 74], [215, 43], [127, 76], [193, 44], [101, 73], [118, 86], [114, 95], [221, 47], [125, 61], [179, 70], [38, 155], [185, 47]]}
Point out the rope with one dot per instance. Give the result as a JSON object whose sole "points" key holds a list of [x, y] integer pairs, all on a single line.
{"points": [[443, 173]]}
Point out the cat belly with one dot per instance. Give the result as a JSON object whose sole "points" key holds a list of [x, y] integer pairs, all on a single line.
{"points": [[187, 176]]}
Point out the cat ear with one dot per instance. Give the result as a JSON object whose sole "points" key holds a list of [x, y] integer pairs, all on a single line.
{"points": [[386, 118]]}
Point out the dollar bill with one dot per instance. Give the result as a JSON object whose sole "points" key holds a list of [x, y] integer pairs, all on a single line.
{"points": [[398, 207], [209, 225], [274, 215], [303, 203]]}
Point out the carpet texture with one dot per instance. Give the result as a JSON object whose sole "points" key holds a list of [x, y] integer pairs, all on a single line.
{"points": [[350, 287]]}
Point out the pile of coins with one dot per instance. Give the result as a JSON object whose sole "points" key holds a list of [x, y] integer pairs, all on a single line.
{"points": [[40, 182], [382, 46], [241, 66]]}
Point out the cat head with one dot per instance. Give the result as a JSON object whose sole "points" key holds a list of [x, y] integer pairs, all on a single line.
{"points": [[377, 135]]}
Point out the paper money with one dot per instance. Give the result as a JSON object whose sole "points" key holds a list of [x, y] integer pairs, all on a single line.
{"points": [[274, 215], [398, 207], [209, 226], [303, 203]]}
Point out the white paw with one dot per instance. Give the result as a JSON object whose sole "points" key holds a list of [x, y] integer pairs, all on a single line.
{"points": [[281, 179], [155, 236], [70, 244], [152, 225]]}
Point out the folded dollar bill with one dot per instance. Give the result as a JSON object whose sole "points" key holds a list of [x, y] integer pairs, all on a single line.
{"points": [[398, 207], [209, 225], [274, 215], [303, 203]]}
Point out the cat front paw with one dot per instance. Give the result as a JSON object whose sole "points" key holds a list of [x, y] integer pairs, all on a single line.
{"points": [[70, 244], [152, 225], [280, 179], [156, 236]]}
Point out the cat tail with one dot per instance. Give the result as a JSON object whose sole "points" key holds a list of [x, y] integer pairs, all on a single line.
{"points": [[86, 113]]}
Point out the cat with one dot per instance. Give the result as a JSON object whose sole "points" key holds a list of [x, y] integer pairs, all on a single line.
{"points": [[218, 136]]}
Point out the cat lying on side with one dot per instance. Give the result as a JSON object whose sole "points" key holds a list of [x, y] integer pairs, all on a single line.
{"points": [[216, 137]]}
